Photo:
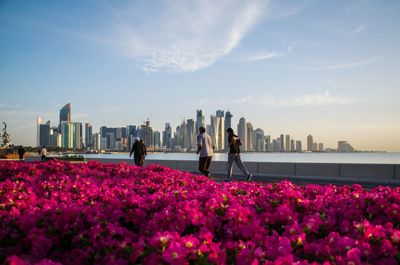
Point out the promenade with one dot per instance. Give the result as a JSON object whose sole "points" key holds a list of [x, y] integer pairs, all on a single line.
{"points": [[367, 175]]}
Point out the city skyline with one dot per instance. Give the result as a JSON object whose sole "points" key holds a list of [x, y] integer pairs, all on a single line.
{"points": [[330, 69], [69, 134]]}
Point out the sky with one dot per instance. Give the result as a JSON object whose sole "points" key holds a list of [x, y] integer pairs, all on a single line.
{"points": [[326, 68]]}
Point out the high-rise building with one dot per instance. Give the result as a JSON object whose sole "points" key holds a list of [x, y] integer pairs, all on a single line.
{"points": [[298, 146], [167, 135], [276, 145], [38, 122], [292, 148], [250, 136], [344, 146], [157, 138], [321, 147], [108, 138], [44, 134], [268, 145], [97, 141], [282, 142], [88, 135], [146, 134], [228, 124], [191, 134], [55, 137], [315, 147], [65, 114], [221, 139], [66, 134], [310, 143], [77, 135], [131, 134], [287, 143], [242, 132], [200, 120], [259, 140]]}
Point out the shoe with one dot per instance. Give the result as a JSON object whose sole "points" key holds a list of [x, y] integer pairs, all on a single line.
{"points": [[209, 176], [227, 180], [249, 177]]}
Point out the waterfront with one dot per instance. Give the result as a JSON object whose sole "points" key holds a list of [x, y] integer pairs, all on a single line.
{"points": [[357, 158]]}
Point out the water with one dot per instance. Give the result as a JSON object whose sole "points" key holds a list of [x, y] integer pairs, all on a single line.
{"points": [[363, 158]]}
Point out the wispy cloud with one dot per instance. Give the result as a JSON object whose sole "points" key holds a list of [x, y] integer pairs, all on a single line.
{"points": [[265, 55], [305, 100], [359, 29], [187, 35], [334, 66]]}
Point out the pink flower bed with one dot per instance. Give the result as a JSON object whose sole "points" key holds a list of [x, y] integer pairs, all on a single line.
{"points": [[57, 212]]}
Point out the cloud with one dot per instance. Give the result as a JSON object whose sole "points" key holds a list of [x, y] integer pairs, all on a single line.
{"points": [[315, 99], [359, 29], [187, 35], [345, 65], [264, 55]]}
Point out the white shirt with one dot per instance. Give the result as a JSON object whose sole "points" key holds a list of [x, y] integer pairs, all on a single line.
{"points": [[206, 143], [44, 152]]}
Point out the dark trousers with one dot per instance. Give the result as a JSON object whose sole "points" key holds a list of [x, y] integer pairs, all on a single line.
{"points": [[43, 158], [139, 160], [204, 164]]}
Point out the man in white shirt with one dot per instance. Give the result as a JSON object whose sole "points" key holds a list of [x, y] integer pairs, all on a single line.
{"points": [[43, 153], [205, 147]]}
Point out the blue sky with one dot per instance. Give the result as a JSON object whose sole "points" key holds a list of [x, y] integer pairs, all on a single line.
{"points": [[326, 68]]}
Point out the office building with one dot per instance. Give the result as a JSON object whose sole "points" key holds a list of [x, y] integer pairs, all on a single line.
{"points": [[282, 143], [259, 140], [242, 132], [287, 143], [67, 135], [88, 136], [310, 143], [344, 146], [298, 146], [77, 140], [200, 120], [321, 147], [157, 139], [191, 134], [96, 141], [167, 136], [146, 134], [292, 147], [65, 114], [44, 130], [250, 136]]}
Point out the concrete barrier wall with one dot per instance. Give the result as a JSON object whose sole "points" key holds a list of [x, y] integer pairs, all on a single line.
{"points": [[326, 171], [375, 171], [317, 169]]}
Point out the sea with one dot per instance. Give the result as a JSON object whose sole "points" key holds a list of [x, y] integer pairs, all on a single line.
{"points": [[359, 157]]}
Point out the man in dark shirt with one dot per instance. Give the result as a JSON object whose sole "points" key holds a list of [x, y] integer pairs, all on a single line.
{"points": [[21, 152], [138, 152], [234, 144]]}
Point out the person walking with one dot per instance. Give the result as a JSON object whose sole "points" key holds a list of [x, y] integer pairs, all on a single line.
{"points": [[136, 151], [234, 144], [43, 153], [21, 152], [143, 153], [205, 147]]}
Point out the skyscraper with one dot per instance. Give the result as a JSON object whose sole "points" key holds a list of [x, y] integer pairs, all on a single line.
{"points": [[282, 143], [77, 135], [146, 134], [200, 120], [167, 135], [259, 140], [292, 145], [191, 134], [310, 143], [215, 131], [287, 143], [242, 132], [88, 135], [65, 113], [228, 124], [44, 134], [38, 122], [131, 134], [250, 136], [66, 134], [298, 146]]}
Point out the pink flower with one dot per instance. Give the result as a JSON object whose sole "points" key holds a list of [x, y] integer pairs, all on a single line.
{"points": [[175, 253]]}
